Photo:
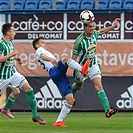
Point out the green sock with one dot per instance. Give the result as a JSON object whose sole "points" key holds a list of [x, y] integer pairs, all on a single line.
{"points": [[73, 89], [9, 103], [32, 102], [104, 100]]}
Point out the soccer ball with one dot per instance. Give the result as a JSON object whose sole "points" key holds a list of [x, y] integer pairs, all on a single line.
{"points": [[87, 16]]}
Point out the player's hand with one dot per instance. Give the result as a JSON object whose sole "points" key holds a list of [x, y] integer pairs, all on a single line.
{"points": [[116, 22], [55, 62], [19, 60], [14, 53]]}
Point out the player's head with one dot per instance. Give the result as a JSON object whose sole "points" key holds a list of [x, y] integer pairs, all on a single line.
{"points": [[8, 31], [89, 28], [38, 42]]}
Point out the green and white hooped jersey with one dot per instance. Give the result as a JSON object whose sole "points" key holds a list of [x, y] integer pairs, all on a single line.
{"points": [[6, 68], [85, 48]]}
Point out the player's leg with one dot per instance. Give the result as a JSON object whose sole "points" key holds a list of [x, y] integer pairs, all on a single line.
{"points": [[101, 93], [65, 88], [103, 98], [32, 102], [19, 80], [79, 80], [75, 65], [67, 107], [65, 110], [11, 98], [95, 76], [76, 86], [10, 101]]}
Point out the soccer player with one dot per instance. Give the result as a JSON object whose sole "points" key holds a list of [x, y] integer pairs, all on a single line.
{"points": [[57, 71], [9, 77], [85, 48]]}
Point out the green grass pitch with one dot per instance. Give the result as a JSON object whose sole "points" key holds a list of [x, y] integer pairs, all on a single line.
{"points": [[77, 122]]}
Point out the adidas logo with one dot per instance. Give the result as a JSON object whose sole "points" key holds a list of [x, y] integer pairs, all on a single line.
{"points": [[49, 97], [127, 99]]}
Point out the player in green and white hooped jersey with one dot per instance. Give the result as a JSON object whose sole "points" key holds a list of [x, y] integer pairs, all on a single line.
{"points": [[85, 48], [9, 77]]}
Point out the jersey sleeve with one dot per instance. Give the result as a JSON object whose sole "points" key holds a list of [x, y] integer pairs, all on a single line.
{"points": [[96, 33], [76, 49], [40, 51], [77, 45]]}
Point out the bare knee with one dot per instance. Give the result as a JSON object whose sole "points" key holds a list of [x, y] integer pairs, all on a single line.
{"points": [[26, 87], [65, 59], [15, 92], [98, 84], [69, 99]]}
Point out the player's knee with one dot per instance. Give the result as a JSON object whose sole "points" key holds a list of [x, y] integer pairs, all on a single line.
{"points": [[65, 59], [29, 91], [15, 92], [70, 101], [78, 86], [98, 86]]}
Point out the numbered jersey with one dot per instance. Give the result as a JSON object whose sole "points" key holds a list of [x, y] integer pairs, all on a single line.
{"points": [[45, 64], [85, 48], [7, 68]]}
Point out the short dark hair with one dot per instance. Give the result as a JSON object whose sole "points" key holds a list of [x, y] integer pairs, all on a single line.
{"points": [[36, 41], [6, 27], [85, 25]]}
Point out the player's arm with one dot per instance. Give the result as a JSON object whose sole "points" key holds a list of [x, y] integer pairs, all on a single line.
{"points": [[74, 57], [76, 50], [18, 59], [4, 58], [107, 29], [47, 58]]}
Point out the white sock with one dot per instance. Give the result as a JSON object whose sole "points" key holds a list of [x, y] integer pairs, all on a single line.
{"points": [[73, 64], [64, 112]]}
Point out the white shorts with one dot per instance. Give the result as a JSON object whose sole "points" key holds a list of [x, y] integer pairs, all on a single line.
{"points": [[15, 81], [93, 72]]}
